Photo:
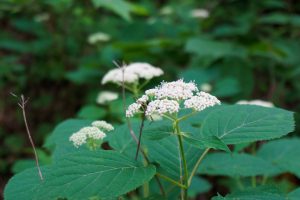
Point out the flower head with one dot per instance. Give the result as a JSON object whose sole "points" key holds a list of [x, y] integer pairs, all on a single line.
{"points": [[132, 73], [201, 101], [103, 125], [168, 97], [176, 90], [95, 132], [106, 96], [83, 134], [161, 107], [257, 102]]}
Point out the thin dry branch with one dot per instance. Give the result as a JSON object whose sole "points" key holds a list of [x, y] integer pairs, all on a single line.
{"points": [[22, 104]]}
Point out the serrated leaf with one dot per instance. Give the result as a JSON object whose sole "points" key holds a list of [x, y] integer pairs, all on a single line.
{"points": [[283, 153], [247, 123], [99, 173], [235, 165]]}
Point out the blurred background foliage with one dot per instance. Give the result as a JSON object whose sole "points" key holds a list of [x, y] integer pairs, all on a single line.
{"points": [[56, 51]]}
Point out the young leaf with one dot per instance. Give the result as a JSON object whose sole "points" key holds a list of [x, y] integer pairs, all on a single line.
{"points": [[247, 123], [236, 165]]}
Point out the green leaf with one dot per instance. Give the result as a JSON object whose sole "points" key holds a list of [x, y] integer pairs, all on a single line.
{"points": [[235, 165], [247, 123], [294, 195], [283, 153], [165, 153], [120, 7], [207, 142], [91, 112], [261, 193], [96, 173], [211, 48], [157, 130], [198, 186], [24, 185]]}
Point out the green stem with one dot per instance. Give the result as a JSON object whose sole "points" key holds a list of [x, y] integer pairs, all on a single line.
{"points": [[264, 180], [170, 180], [197, 165], [186, 116], [239, 183], [185, 169]]}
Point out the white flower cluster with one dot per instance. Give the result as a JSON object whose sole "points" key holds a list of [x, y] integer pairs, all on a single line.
{"points": [[167, 98], [106, 96], [201, 101], [98, 37], [96, 132], [257, 102], [132, 73]]}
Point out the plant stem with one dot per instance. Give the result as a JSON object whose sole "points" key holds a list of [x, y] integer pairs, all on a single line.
{"points": [[186, 116], [170, 180], [183, 160], [197, 165]]}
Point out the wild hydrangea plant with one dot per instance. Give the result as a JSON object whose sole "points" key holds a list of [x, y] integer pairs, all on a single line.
{"points": [[180, 132]]}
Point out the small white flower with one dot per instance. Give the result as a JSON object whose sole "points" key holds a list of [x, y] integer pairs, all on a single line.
{"points": [[132, 73], [143, 99], [201, 101], [176, 90], [106, 96], [205, 87], [98, 37], [161, 107], [199, 13], [133, 109], [257, 102], [103, 125], [83, 134], [150, 92]]}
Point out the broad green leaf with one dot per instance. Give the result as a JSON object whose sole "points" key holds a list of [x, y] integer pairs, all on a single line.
{"points": [[96, 173], [235, 165], [157, 130], [261, 193], [25, 184], [283, 153], [120, 7], [165, 152], [247, 123], [91, 112], [198, 186], [212, 48]]}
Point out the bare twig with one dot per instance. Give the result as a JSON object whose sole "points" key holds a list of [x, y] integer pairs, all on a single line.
{"points": [[22, 104]]}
